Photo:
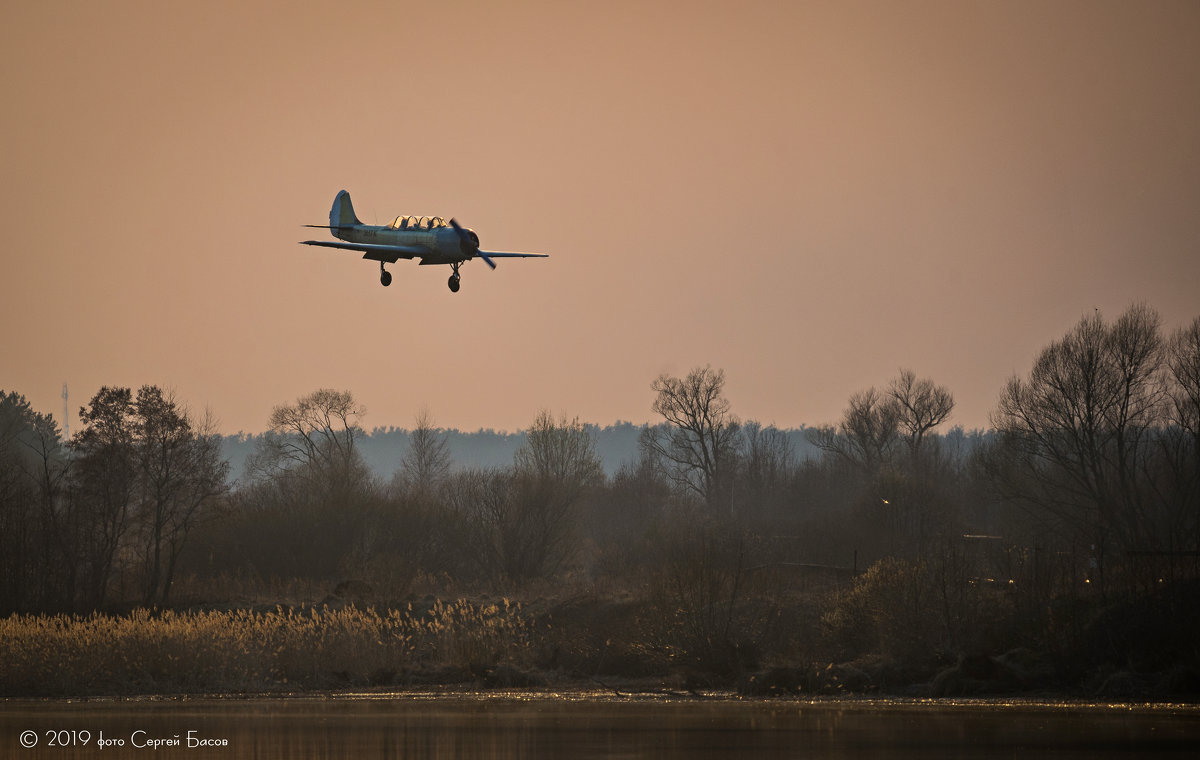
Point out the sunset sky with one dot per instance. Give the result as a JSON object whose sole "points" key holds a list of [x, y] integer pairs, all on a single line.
{"points": [[809, 195]]}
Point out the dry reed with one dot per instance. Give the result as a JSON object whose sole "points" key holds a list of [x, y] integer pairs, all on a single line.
{"points": [[246, 651]]}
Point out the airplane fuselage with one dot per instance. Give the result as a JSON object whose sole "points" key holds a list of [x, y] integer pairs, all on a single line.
{"points": [[442, 243]]}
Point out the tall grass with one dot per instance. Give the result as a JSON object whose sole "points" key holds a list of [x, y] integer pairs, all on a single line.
{"points": [[241, 650]]}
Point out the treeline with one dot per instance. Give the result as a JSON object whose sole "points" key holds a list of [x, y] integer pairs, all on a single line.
{"points": [[897, 540], [384, 448], [105, 516]]}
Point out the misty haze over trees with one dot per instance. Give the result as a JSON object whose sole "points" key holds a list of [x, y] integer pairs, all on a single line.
{"points": [[382, 448], [713, 543]]}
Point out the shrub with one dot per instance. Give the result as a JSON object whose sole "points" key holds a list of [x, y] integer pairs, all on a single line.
{"points": [[888, 611]]}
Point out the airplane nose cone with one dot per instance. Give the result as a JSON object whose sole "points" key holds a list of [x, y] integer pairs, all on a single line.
{"points": [[468, 241]]}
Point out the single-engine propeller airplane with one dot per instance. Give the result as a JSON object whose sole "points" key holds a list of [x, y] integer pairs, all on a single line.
{"points": [[431, 239]]}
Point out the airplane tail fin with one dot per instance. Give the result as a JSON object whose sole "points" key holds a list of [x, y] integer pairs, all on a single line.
{"points": [[342, 213]]}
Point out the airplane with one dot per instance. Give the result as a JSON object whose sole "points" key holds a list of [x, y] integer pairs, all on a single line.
{"points": [[431, 239]]}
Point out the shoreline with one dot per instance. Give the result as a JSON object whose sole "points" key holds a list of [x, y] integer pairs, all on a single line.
{"points": [[586, 695]]}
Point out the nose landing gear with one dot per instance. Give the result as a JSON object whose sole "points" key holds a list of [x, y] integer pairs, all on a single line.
{"points": [[453, 282]]}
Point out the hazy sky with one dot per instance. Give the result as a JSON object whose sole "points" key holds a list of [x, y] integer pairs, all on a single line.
{"points": [[810, 195]]}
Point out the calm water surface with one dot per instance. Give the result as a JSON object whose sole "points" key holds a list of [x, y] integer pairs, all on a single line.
{"points": [[587, 726]]}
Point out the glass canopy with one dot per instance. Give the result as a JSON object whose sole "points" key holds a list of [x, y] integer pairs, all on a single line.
{"points": [[418, 223]]}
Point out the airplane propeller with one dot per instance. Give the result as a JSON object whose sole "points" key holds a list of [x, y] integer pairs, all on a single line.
{"points": [[469, 244]]}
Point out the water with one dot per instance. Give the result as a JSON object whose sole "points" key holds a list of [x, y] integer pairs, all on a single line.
{"points": [[587, 726]]}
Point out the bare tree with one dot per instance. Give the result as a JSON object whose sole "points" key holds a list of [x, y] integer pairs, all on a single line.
{"points": [[699, 586], [922, 407], [1077, 435], [501, 536], [867, 433], [561, 452], [1183, 360], [314, 442], [552, 471], [519, 524], [700, 441], [768, 462], [1181, 440], [427, 461]]}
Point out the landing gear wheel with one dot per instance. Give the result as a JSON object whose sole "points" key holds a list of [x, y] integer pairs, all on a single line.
{"points": [[453, 282], [385, 278]]}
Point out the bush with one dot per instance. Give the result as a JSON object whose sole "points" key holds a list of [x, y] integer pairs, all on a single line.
{"points": [[710, 617], [888, 611]]}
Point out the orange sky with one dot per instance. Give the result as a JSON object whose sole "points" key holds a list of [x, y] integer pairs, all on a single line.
{"points": [[808, 195]]}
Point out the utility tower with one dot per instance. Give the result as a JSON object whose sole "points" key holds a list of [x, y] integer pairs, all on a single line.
{"points": [[66, 412]]}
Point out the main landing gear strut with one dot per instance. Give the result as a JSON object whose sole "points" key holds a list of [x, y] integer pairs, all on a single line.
{"points": [[385, 277], [453, 282]]}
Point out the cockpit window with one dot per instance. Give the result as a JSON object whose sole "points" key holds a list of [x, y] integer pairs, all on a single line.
{"points": [[418, 223]]}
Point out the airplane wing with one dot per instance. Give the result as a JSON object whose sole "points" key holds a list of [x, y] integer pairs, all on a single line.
{"points": [[503, 255], [487, 256], [389, 254]]}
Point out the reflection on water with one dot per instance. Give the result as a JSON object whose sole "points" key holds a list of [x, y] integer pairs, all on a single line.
{"points": [[517, 726]]}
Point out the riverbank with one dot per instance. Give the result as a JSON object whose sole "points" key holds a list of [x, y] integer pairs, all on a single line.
{"points": [[579, 645]]}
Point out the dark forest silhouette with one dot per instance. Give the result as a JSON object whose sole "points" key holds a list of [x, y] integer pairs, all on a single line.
{"points": [[705, 546]]}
